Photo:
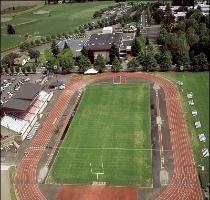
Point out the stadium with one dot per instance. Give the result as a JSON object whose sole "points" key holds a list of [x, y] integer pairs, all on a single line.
{"points": [[111, 148]]}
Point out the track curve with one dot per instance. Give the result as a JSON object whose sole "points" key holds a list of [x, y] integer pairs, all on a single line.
{"points": [[184, 183]]}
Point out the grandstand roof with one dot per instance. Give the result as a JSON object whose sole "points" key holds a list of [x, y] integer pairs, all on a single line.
{"points": [[17, 104], [15, 124], [28, 91]]}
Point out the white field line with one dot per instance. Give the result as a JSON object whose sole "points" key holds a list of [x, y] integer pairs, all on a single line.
{"points": [[98, 148], [54, 120]]}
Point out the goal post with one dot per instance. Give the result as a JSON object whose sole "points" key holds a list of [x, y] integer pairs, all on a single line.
{"points": [[97, 174]]}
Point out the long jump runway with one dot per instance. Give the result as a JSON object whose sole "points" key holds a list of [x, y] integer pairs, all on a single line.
{"points": [[184, 184]]}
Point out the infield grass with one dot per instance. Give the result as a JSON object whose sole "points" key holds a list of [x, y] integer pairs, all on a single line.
{"points": [[198, 84], [111, 126]]}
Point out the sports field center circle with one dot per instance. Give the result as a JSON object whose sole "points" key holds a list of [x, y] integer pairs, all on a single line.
{"points": [[184, 169]]}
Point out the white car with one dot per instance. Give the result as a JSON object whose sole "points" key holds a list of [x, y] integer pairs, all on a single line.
{"points": [[27, 79]]}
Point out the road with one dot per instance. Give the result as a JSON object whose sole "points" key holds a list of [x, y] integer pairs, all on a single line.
{"points": [[5, 183]]}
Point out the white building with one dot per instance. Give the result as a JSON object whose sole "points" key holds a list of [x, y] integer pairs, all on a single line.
{"points": [[107, 29]]}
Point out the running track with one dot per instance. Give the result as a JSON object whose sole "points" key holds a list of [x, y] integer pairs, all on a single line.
{"points": [[184, 183]]}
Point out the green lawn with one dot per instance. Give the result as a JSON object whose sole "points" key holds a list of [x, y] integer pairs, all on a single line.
{"points": [[112, 125], [198, 83], [64, 18]]}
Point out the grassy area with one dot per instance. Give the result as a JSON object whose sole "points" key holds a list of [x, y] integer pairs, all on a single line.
{"points": [[63, 19], [198, 83], [8, 41], [12, 173], [112, 125]]}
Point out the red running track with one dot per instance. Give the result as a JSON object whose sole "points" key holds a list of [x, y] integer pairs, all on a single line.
{"points": [[184, 183]]}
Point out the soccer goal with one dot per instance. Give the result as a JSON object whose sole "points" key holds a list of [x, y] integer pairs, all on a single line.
{"points": [[119, 79]]}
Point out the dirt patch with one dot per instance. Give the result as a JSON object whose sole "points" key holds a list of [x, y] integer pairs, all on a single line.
{"points": [[10, 4], [6, 19], [41, 12], [97, 193]]}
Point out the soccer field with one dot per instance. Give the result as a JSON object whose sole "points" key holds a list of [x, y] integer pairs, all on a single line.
{"points": [[111, 126]]}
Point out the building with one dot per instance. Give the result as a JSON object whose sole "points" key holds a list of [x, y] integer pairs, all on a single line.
{"points": [[178, 15], [107, 29], [125, 47], [21, 60], [75, 45], [23, 110], [101, 43]]}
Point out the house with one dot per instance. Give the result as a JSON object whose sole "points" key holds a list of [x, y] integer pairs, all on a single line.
{"points": [[21, 60], [101, 43]]}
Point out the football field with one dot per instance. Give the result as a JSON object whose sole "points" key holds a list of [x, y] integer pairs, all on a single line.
{"points": [[110, 137]]}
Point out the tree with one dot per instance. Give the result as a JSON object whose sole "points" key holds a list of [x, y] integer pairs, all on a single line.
{"points": [[34, 54], [84, 63], [168, 21], [114, 52], [84, 51], [133, 64], [49, 60], [54, 48], [179, 48], [100, 63], [163, 36], [150, 62], [165, 60], [180, 26], [10, 29], [8, 60], [200, 62], [116, 65], [65, 46], [191, 36], [65, 60], [158, 16], [138, 45]]}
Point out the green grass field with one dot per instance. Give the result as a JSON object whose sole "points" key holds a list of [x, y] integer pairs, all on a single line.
{"points": [[112, 125], [64, 18], [198, 83]]}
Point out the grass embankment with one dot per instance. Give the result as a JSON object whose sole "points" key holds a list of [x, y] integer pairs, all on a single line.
{"points": [[12, 174], [198, 84]]}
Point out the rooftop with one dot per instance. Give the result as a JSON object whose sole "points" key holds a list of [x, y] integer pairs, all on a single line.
{"points": [[103, 41]]}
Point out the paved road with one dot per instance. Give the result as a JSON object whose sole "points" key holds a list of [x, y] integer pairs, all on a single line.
{"points": [[5, 185]]}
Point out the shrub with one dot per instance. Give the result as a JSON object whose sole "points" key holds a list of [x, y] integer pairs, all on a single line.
{"points": [[37, 42], [48, 38]]}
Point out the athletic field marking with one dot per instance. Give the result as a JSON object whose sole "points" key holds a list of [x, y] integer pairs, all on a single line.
{"points": [[54, 120], [97, 148]]}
